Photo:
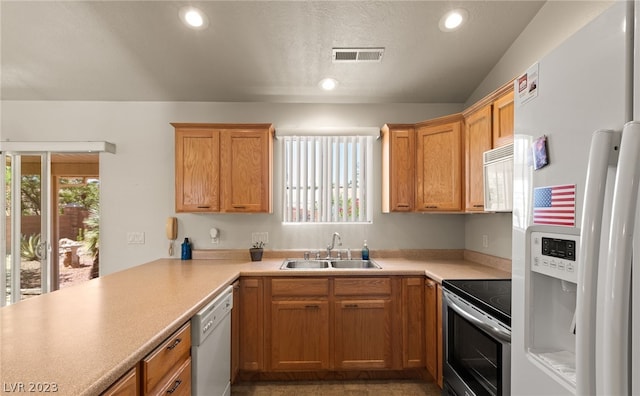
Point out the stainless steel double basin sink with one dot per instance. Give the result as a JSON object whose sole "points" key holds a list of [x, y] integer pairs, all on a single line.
{"points": [[301, 264]]}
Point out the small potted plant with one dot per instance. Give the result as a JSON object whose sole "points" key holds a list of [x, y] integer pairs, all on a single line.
{"points": [[256, 251]]}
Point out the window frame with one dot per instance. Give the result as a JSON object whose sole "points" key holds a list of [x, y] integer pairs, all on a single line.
{"points": [[343, 173]]}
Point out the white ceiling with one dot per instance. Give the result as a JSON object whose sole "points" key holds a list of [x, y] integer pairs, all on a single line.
{"points": [[253, 51]]}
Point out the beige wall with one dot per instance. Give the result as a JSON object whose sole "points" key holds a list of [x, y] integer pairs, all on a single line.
{"points": [[137, 183], [554, 23]]}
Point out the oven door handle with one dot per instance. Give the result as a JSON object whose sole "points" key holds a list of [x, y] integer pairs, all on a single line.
{"points": [[496, 332]]}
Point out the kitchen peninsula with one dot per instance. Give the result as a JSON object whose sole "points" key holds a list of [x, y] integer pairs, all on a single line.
{"points": [[81, 340]]}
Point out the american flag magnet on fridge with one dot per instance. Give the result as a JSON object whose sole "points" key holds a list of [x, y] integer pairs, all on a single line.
{"points": [[555, 205]]}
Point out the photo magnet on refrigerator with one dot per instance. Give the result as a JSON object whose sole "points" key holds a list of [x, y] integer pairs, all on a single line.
{"points": [[540, 157]]}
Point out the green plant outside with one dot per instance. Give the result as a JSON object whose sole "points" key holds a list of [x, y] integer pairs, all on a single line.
{"points": [[29, 246]]}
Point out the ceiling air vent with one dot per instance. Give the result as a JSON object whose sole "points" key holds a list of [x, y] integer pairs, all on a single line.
{"points": [[357, 54]]}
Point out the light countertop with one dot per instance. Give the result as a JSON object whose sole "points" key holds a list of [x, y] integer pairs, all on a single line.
{"points": [[82, 339]]}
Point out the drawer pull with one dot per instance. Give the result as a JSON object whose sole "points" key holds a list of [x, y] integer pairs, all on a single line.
{"points": [[175, 386], [175, 343], [351, 305], [478, 206], [204, 207], [238, 206], [431, 206]]}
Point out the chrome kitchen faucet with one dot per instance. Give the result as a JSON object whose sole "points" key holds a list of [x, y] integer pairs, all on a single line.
{"points": [[333, 243]]}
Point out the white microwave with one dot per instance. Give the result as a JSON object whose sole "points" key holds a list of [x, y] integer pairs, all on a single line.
{"points": [[498, 179]]}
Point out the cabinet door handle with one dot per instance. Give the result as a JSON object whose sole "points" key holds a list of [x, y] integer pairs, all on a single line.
{"points": [[238, 206], [478, 206], [175, 343], [174, 387], [430, 284], [431, 207]]}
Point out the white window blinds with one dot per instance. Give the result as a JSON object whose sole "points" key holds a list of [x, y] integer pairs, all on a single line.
{"points": [[326, 179]]}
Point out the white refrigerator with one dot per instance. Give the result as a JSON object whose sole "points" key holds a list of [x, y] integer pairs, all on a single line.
{"points": [[576, 167]]}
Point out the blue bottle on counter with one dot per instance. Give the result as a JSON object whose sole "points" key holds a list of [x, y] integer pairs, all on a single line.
{"points": [[365, 251], [186, 250]]}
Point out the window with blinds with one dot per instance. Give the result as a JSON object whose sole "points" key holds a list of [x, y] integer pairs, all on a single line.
{"points": [[327, 179]]}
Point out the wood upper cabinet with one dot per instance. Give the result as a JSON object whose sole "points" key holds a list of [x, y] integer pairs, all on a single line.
{"points": [[478, 139], [223, 167], [398, 168], [503, 119], [439, 164], [298, 338], [246, 169], [197, 169], [488, 124], [413, 313]]}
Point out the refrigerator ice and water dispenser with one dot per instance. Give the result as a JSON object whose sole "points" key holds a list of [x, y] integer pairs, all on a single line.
{"points": [[552, 273]]}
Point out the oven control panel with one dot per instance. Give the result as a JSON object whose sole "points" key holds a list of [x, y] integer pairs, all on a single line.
{"points": [[555, 255]]}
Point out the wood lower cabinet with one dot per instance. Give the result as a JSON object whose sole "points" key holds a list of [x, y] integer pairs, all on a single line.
{"points": [[413, 324], [180, 383], [298, 338], [439, 165], [299, 335], [363, 339], [223, 168], [433, 329], [128, 385], [333, 324], [168, 367], [439, 330], [398, 168], [363, 332], [251, 311], [235, 332]]}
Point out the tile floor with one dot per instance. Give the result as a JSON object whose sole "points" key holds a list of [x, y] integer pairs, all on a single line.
{"points": [[336, 388]]}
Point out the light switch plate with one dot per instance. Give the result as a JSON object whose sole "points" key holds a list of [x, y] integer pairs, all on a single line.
{"points": [[260, 237], [135, 237]]}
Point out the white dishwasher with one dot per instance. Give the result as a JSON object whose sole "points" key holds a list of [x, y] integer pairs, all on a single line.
{"points": [[211, 347]]}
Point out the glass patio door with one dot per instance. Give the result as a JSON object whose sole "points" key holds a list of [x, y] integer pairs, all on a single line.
{"points": [[26, 226]]}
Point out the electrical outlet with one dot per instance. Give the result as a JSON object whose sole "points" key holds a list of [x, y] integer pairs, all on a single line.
{"points": [[485, 241], [135, 237], [214, 233], [260, 237]]}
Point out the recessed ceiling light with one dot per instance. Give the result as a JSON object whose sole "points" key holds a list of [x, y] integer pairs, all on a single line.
{"points": [[453, 19], [328, 84], [193, 18]]}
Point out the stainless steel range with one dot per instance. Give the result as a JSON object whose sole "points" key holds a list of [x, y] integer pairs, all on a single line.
{"points": [[477, 337]]}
